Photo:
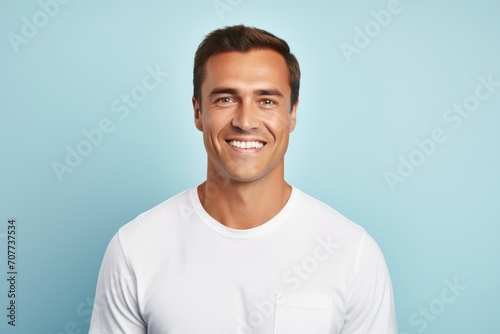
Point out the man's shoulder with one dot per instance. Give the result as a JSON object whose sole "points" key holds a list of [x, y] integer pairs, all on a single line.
{"points": [[161, 216], [318, 212]]}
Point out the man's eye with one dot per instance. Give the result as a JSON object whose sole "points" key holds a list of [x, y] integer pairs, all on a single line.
{"points": [[267, 101], [225, 100]]}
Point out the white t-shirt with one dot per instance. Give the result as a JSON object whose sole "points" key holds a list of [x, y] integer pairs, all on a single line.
{"points": [[309, 270]]}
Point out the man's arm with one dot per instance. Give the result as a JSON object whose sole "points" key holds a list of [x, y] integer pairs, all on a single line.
{"points": [[115, 307], [370, 308]]}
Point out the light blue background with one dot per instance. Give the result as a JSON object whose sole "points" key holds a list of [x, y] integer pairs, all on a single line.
{"points": [[355, 119]]}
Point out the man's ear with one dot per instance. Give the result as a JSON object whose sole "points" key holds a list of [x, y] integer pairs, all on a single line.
{"points": [[197, 114], [293, 115]]}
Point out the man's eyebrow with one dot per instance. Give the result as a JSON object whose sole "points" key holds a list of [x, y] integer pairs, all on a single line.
{"points": [[234, 91], [223, 90], [271, 92]]}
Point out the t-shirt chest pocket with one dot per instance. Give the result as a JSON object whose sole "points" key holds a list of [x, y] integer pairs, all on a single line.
{"points": [[303, 313]]}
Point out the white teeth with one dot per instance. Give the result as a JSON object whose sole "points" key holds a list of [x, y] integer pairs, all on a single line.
{"points": [[246, 144]]}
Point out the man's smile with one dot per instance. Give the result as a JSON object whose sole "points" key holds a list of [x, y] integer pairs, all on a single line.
{"points": [[246, 144]]}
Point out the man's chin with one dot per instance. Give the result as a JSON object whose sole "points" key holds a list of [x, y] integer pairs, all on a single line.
{"points": [[247, 177]]}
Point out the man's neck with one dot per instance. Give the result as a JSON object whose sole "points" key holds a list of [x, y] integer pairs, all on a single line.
{"points": [[243, 205]]}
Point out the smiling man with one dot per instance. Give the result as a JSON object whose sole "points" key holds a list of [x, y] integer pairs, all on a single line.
{"points": [[244, 252]]}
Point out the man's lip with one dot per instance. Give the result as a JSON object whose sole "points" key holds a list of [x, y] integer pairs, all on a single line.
{"points": [[245, 139]]}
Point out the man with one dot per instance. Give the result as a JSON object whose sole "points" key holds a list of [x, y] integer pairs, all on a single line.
{"points": [[244, 252]]}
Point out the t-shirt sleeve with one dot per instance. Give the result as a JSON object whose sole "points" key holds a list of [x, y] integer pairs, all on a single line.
{"points": [[370, 308], [115, 306]]}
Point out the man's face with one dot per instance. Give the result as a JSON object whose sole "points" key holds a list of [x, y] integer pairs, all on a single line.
{"points": [[245, 114]]}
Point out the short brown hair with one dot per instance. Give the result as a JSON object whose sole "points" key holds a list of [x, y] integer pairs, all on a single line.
{"points": [[243, 39]]}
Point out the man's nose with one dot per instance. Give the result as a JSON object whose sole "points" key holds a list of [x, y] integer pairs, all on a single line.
{"points": [[246, 116]]}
